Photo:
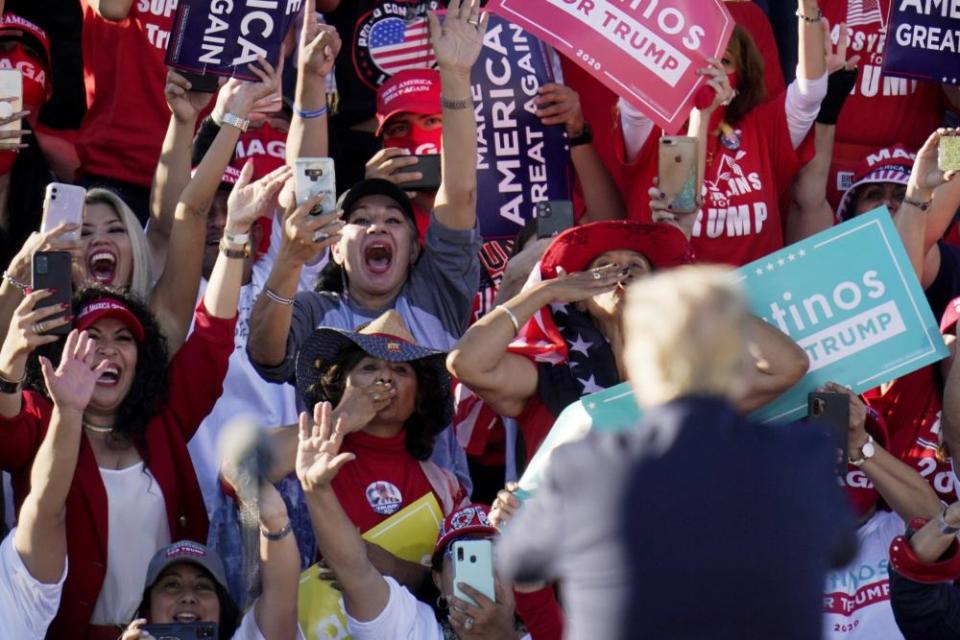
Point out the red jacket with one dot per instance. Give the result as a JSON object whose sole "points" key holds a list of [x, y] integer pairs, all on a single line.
{"points": [[196, 376]]}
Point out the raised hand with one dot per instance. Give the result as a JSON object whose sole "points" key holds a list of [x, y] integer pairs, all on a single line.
{"points": [[457, 43], [359, 405], [837, 58], [575, 287], [718, 80], [184, 104], [389, 164], [251, 200], [559, 104], [30, 328], [72, 383], [926, 174], [318, 452], [319, 44], [305, 235], [56, 239], [238, 96]]}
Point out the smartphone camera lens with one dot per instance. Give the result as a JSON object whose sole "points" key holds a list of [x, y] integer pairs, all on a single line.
{"points": [[473, 559], [42, 265], [460, 554]]}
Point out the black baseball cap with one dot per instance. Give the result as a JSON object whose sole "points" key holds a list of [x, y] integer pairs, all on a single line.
{"points": [[376, 187]]}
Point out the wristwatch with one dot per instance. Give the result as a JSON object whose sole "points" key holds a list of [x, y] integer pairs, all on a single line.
{"points": [[234, 251], [585, 137], [867, 451], [235, 121]]}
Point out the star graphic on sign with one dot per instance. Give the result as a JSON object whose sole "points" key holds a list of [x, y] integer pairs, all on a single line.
{"points": [[781, 262], [801, 253], [581, 345], [589, 385], [760, 272], [769, 266], [791, 257]]}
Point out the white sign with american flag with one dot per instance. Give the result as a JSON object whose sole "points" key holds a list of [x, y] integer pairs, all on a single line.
{"points": [[393, 37]]}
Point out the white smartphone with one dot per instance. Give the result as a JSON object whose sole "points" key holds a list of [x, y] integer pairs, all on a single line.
{"points": [[313, 176], [473, 565], [11, 86], [63, 203]]}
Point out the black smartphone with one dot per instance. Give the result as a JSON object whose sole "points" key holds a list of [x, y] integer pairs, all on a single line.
{"points": [[832, 410], [429, 167], [553, 216], [54, 270], [182, 631], [203, 82]]}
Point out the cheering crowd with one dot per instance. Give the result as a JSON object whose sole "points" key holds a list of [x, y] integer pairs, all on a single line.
{"points": [[247, 385]]}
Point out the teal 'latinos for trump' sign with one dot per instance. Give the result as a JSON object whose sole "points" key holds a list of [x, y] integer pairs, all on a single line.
{"points": [[850, 298]]}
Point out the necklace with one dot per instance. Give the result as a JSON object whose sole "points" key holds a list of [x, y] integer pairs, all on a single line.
{"points": [[96, 429]]}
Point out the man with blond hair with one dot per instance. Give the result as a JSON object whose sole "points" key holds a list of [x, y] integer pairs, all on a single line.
{"points": [[698, 523]]}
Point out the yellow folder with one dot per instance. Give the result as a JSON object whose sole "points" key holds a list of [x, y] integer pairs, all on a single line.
{"points": [[410, 534]]}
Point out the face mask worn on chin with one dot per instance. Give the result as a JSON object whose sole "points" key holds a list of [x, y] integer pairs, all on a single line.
{"points": [[34, 91], [419, 141]]}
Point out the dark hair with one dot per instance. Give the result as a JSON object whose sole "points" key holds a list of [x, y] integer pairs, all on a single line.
{"points": [[148, 390], [433, 393], [229, 612], [751, 89]]}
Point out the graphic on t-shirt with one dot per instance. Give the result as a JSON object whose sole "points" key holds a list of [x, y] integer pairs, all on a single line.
{"points": [[860, 12], [393, 37], [384, 497], [728, 213]]}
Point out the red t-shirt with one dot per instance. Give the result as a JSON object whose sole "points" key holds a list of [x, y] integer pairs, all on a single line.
{"points": [[741, 220], [882, 110], [123, 70], [381, 481], [911, 407]]}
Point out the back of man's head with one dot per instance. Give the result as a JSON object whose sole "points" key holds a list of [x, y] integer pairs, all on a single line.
{"points": [[685, 334]]}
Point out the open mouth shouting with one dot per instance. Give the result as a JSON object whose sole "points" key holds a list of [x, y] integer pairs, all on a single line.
{"points": [[186, 617], [102, 265], [110, 377], [378, 257]]}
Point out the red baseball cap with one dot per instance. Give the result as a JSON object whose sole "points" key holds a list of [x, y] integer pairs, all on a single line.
{"points": [[13, 26], [472, 519], [892, 164], [410, 91], [100, 308]]}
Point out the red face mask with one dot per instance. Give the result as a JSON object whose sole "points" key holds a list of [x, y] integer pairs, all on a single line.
{"points": [[35, 93], [419, 141]]}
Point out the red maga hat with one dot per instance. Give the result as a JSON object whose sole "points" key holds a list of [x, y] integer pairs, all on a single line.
{"points": [[410, 91], [100, 308]]}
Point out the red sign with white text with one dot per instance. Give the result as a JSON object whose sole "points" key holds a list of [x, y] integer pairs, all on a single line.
{"points": [[647, 51]]}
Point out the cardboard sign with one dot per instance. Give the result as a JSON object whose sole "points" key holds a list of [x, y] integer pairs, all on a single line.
{"points": [[222, 37], [520, 161], [923, 41], [411, 534], [850, 298], [647, 51]]}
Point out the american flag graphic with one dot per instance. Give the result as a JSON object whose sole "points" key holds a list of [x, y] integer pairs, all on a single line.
{"points": [[396, 44], [861, 12]]}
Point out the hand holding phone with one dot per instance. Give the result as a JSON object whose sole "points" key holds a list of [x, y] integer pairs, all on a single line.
{"points": [[182, 631], [553, 216], [63, 203], [832, 410], [11, 90], [428, 166], [949, 153], [313, 176], [473, 565], [679, 173], [54, 270]]}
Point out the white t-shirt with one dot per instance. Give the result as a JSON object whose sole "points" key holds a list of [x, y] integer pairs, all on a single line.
{"points": [[137, 527], [404, 618], [857, 597], [27, 606], [245, 393]]}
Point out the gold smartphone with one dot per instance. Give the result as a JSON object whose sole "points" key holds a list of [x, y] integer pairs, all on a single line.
{"points": [[949, 153], [679, 172]]}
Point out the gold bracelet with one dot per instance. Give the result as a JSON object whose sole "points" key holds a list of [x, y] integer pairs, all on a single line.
{"points": [[513, 319]]}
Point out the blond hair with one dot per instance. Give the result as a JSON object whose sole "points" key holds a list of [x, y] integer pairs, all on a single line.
{"points": [[685, 335], [141, 277]]}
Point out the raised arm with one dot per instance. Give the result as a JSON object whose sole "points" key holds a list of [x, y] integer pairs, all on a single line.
{"points": [[558, 104], [480, 360], [901, 487], [276, 608], [41, 538], [457, 44], [319, 45], [365, 592], [778, 364], [173, 168], [175, 294]]}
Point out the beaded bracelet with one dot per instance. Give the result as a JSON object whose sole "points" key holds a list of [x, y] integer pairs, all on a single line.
{"points": [[811, 20], [14, 282], [276, 297]]}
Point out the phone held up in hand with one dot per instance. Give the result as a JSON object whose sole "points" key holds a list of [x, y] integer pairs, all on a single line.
{"points": [[949, 153], [428, 166], [313, 176], [473, 565], [553, 216], [63, 203], [832, 410], [54, 270], [11, 88], [679, 172], [182, 631]]}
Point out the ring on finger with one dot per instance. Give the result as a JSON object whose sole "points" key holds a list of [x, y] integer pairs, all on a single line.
{"points": [[38, 327], [468, 623], [596, 275], [320, 236], [474, 21]]}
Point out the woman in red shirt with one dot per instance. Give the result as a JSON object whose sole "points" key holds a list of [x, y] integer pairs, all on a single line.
{"points": [[135, 489]]}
